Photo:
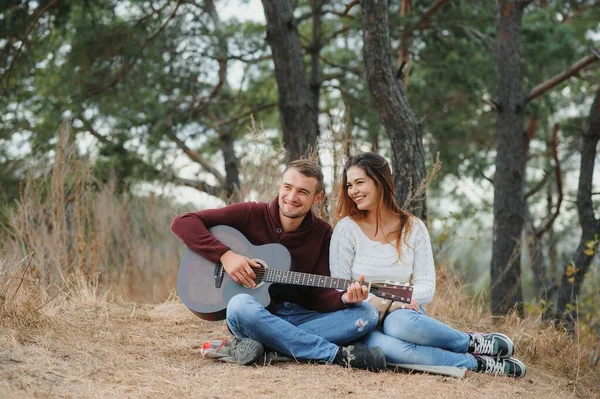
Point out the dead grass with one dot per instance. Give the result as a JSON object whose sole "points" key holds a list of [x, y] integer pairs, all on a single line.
{"points": [[85, 345], [87, 310], [98, 349], [73, 227]]}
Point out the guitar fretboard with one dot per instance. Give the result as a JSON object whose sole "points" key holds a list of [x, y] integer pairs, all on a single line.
{"points": [[310, 280]]}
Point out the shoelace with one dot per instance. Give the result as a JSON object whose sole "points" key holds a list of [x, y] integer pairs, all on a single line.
{"points": [[494, 367], [482, 345]]}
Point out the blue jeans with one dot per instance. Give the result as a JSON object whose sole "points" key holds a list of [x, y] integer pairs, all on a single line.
{"points": [[413, 338], [298, 332]]}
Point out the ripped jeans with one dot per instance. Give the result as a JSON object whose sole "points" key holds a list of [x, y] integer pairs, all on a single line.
{"points": [[414, 338], [298, 332]]}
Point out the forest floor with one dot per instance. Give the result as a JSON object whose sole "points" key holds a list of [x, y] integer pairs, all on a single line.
{"points": [[115, 350]]}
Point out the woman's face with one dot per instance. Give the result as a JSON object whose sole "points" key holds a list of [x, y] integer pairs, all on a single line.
{"points": [[361, 189]]}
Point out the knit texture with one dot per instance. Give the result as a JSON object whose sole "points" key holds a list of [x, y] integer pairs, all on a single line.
{"points": [[260, 223], [353, 255]]}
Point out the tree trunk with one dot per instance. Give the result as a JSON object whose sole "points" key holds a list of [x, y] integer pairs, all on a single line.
{"points": [[315, 50], [536, 257], [296, 107], [406, 37], [232, 172], [401, 125], [510, 163], [572, 281], [231, 182]]}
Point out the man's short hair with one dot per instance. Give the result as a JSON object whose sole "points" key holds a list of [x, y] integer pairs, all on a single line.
{"points": [[309, 169]]}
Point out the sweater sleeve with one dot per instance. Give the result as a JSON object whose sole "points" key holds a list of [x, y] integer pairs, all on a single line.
{"points": [[341, 253], [326, 299], [423, 279], [192, 228]]}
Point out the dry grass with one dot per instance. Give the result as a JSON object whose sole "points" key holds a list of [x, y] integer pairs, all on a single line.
{"points": [[73, 225], [87, 310], [93, 348]]}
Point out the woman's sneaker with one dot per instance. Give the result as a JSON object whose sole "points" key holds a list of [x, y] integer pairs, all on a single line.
{"points": [[493, 344], [509, 367], [361, 357], [238, 350]]}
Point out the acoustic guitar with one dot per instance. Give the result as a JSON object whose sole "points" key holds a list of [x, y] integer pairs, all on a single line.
{"points": [[206, 288]]}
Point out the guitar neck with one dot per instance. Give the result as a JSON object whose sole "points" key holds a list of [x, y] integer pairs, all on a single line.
{"points": [[393, 292], [305, 279]]}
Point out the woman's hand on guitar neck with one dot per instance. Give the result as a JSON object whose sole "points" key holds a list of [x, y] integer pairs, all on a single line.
{"points": [[239, 268], [355, 293]]}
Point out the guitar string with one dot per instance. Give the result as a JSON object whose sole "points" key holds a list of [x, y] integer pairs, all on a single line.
{"points": [[260, 273], [338, 283]]}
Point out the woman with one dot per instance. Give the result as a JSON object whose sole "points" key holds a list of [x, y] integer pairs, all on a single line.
{"points": [[376, 239]]}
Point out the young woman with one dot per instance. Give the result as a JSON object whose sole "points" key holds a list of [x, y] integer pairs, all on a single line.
{"points": [[376, 239]]}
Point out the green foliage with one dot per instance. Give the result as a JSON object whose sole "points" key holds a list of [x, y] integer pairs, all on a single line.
{"points": [[133, 75]]}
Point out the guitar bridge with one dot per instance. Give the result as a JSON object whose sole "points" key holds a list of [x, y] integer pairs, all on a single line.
{"points": [[219, 273]]}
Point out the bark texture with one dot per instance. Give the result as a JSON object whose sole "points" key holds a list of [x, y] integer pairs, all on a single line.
{"points": [[510, 163], [571, 283], [296, 101], [387, 94]]}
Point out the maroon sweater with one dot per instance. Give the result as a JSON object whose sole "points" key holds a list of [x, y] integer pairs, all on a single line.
{"points": [[260, 223]]}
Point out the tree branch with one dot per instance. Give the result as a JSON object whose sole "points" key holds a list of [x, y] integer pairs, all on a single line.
{"points": [[124, 70], [525, 3], [557, 172], [169, 176], [345, 68], [491, 180], [221, 58], [236, 118], [324, 11], [539, 185], [155, 11], [561, 77], [532, 127], [199, 185], [194, 156], [349, 7], [250, 60], [216, 191], [335, 34], [6, 74], [426, 17]]}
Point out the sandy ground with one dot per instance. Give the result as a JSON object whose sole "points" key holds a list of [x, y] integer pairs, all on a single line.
{"points": [[104, 350]]}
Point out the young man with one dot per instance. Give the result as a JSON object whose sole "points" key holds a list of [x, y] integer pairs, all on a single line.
{"points": [[304, 323]]}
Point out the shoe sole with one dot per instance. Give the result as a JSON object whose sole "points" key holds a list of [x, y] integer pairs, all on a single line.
{"points": [[247, 351]]}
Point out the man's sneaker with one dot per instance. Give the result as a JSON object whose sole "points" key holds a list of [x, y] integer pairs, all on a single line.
{"points": [[493, 344], [509, 367], [361, 357], [238, 350]]}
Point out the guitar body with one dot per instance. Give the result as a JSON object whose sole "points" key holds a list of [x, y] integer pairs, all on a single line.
{"points": [[207, 295]]}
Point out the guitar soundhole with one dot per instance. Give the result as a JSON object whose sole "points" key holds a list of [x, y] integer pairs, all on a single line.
{"points": [[260, 273]]}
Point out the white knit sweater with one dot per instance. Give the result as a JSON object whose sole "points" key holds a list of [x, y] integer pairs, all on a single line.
{"points": [[353, 254]]}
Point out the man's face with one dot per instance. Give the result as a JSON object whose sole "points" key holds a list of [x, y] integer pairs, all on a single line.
{"points": [[297, 194]]}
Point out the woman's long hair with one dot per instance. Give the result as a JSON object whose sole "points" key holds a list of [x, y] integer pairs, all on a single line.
{"points": [[377, 168]]}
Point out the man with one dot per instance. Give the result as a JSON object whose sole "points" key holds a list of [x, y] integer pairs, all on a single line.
{"points": [[304, 323]]}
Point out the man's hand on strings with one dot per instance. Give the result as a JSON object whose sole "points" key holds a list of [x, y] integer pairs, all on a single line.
{"points": [[240, 268]]}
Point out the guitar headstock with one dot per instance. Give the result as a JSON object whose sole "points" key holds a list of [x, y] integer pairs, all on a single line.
{"points": [[392, 292]]}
